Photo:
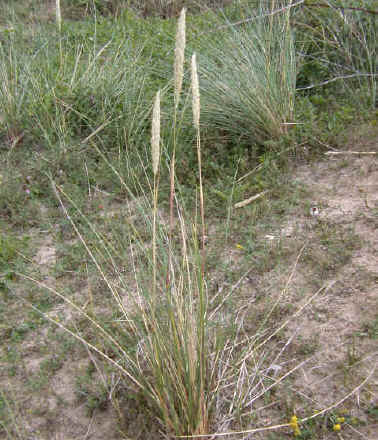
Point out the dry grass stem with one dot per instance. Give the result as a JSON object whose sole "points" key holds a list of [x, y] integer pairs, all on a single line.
{"points": [[330, 153], [179, 55], [249, 200]]}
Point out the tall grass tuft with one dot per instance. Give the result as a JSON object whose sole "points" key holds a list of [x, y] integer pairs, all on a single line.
{"points": [[248, 76], [57, 93], [342, 49], [174, 360]]}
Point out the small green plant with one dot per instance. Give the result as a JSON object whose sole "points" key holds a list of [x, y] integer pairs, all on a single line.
{"points": [[11, 249], [94, 392], [308, 346], [8, 249], [371, 328], [10, 417]]}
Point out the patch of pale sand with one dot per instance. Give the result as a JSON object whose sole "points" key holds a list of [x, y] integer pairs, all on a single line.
{"points": [[367, 261], [46, 255], [326, 379], [367, 256], [62, 313], [45, 258], [348, 197], [61, 416], [74, 419], [32, 364]]}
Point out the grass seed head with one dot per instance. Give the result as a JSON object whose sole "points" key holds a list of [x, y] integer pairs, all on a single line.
{"points": [[58, 15], [179, 55], [155, 134], [195, 93]]}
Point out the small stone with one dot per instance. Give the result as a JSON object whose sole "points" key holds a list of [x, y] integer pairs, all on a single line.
{"points": [[314, 211]]}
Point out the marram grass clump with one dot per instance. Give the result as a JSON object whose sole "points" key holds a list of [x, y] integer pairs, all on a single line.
{"points": [[248, 75]]}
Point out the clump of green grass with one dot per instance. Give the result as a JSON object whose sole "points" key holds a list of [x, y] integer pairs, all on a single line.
{"points": [[10, 416], [340, 52], [60, 92], [371, 328], [244, 93], [12, 251]]}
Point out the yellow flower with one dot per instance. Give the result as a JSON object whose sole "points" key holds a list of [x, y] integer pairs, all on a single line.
{"points": [[340, 420], [294, 425], [337, 427], [239, 246], [297, 431]]}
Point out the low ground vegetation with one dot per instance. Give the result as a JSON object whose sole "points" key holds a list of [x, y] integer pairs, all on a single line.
{"points": [[220, 280]]}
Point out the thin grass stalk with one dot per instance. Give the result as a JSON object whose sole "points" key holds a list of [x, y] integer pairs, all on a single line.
{"points": [[178, 77], [59, 25], [58, 15], [155, 145], [196, 122], [285, 79], [202, 407]]}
